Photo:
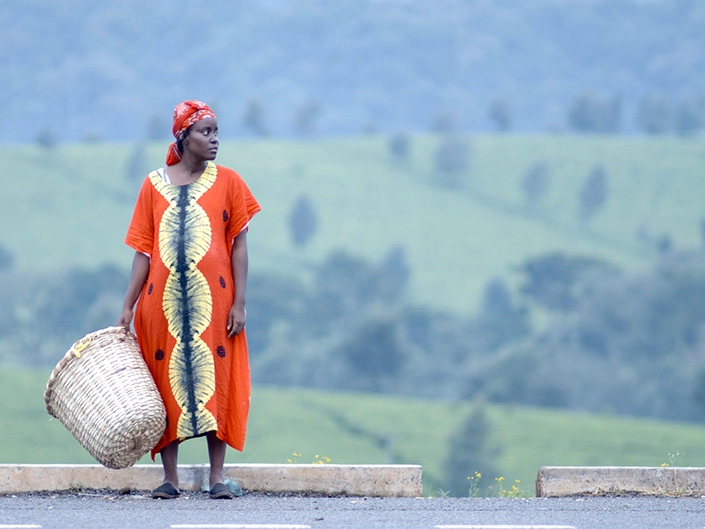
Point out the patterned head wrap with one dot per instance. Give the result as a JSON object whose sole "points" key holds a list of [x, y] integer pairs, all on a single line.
{"points": [[185, 115]]}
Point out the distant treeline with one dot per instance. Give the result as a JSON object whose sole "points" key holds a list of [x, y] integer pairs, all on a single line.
{"points": [[84, 69], [629, 343]]}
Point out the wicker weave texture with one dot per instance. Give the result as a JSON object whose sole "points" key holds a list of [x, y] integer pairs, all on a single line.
{"points": [[104, 395]]}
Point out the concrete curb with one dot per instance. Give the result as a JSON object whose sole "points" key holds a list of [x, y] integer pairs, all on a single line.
{"points": [[350, 480], [556, 482]]}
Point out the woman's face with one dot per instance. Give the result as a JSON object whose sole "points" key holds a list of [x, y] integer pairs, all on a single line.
{"points": [[202, 140]]}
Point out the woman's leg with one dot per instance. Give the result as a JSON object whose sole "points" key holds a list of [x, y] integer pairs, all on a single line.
{"points": [[170, 456], [216, 453]]}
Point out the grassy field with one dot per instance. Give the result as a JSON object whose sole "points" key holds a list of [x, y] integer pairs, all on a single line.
{"points": [[368, 429], [71, 205]]}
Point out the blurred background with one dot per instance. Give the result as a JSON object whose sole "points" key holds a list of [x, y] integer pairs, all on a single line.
{"points": [[482, 244]]}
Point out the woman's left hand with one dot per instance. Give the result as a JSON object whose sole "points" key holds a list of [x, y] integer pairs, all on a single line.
{"points": [[236, 320]]}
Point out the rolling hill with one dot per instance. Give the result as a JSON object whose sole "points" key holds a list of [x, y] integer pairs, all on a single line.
{"points": [[69, 206]]}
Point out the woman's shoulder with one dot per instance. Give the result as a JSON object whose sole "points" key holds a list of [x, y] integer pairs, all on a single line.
{"points": [[227, 171], [229, 175]]}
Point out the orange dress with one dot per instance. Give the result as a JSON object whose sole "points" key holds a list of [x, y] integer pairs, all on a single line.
{"points": [[182, 313]]}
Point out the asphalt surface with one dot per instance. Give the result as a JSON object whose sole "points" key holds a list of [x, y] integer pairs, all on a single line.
{"points": [[106, 509]]}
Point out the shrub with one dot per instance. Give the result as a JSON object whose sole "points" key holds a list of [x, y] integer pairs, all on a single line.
{"points": [[590, 113], [689, 118], [593, 194], [653, 115], [470, 458], [501, 115], [452, 159], [136, 165], [46, 138], [253, 117], [303, 221], [6, 259], [306, 118], [399, 146], [536, 182]]}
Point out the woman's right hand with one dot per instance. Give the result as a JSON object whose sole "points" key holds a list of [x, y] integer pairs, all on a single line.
{"points": [[138, 276], [125, 319]]}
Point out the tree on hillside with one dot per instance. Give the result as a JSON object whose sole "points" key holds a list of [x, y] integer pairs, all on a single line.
{"points": [[690, 117], [136, 165], [400, 146], [371, 127], [501, 115], [343, 286], [698, 390], [535, 183], [443, 122], [500, 321], [612, 120], [272, 299], [6, 259], [393, 275], [68, 304], [654, 114], [557, 282], [592, 195], [307, 117], [158, 127], [93, 137], [664, 244], [375, 352], [303, 221], [590, 113], [46, 138], [253, 118], [470, 456], [452, 160]]}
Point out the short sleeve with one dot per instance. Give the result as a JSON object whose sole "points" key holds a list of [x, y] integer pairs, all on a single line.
{"points": [[140, 233], [243, 206]]}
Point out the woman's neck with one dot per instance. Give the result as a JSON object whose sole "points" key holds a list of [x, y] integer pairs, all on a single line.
{"points": [[193, 167], [186, 171]]}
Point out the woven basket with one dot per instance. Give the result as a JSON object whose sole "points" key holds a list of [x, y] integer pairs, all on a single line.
{"points": [[103, 393]]}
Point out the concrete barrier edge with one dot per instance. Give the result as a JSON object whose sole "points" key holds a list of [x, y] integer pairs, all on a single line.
{"points": [[555, 482], [351, 480]]}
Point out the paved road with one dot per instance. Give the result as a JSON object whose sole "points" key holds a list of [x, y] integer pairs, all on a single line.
{"points": [[253, 511]]}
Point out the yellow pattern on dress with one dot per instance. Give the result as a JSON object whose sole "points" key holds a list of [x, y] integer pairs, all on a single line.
{"points": [[184, 239]]}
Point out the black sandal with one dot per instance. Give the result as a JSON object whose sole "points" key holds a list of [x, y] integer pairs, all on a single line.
{"points": [[165, 491], [220, 491]]}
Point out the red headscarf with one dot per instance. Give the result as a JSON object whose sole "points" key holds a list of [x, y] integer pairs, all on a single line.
{"points": [[185, 115]]}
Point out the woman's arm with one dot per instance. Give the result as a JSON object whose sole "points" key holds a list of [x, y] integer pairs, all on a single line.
{"points": [[140, 271], [239, 259]]}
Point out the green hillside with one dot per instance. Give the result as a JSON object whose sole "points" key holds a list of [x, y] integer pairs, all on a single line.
{"points": [[71, 205], [367, 429]]}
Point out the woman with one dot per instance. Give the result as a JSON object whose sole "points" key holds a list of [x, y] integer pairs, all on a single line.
{"points": [[189, 233]]}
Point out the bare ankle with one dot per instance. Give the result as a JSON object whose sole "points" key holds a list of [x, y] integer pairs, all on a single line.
{"points": [[174, 480], [216, 477]]}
